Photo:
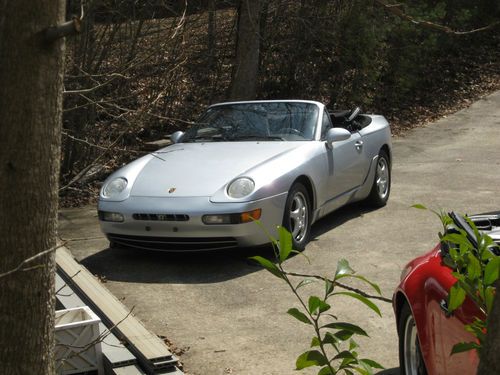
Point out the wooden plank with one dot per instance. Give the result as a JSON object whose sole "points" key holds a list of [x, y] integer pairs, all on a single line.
{"points": [[115, 354], [149, 349], [128, 370], [135, 370]]}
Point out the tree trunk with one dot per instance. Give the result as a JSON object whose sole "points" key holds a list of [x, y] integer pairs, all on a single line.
{"points": [[211, 34], [245, 73], [31, 76], [264, 15], [490, 360]]}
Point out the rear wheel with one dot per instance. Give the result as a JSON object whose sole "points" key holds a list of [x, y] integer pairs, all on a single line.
{"points": [[410, 356], [381, 188], [297, 216]]}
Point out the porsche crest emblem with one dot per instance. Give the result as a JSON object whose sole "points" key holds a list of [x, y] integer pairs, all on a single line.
{"points": [[171, 190]]}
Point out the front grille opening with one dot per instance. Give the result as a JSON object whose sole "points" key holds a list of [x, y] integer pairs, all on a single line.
{"points": [[161, 217], [173, 243]]}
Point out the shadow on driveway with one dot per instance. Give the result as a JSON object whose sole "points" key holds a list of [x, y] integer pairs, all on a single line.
{"points": [[339, 217], [140, 266]]}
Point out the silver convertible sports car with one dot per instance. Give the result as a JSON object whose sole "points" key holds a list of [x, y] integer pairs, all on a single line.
{"points": [[286, 162]]}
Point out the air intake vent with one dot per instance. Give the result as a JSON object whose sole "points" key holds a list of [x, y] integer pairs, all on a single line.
{"points": [[161, 217], [173, 243]]}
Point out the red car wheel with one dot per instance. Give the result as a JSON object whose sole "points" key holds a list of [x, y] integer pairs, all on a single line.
{"points": [[410, 356]]}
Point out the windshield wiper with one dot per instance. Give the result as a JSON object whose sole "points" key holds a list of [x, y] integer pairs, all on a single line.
{"points": [[207, 138], [258, 137], [225, 138]]}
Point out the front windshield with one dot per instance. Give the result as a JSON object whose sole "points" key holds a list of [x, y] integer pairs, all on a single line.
{"points": [[266, 121]]}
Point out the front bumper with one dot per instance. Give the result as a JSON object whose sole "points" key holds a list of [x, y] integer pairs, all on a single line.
{"points": [[160, 223]]}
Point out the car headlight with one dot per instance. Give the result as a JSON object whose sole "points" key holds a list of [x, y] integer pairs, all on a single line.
{"points": [[114, 187], [240, 187]]}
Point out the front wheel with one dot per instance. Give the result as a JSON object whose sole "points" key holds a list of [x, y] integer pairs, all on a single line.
{"points": [[410, 356], [381, 188], [297, 215]]}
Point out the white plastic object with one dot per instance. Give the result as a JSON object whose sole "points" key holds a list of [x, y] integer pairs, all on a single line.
{"points": [[78, 347]]}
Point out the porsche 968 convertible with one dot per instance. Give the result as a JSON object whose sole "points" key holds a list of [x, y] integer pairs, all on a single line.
{"points": [[286, 162]]}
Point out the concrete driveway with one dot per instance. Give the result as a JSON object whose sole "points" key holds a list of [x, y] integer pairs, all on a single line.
{"points": [[230, 316]]}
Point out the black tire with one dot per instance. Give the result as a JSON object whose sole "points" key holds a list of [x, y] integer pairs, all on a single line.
{"points": [[381, 187], [297, 215], [410, 356]]}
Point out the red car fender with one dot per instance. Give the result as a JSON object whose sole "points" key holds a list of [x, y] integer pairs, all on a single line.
{"points": [[414, 290], [425, 284]]}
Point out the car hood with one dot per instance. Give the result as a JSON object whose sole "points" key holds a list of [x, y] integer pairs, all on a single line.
{"points": [[200, 169]]}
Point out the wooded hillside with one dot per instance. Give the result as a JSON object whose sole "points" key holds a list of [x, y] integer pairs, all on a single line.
{"points": [[140, 70]]}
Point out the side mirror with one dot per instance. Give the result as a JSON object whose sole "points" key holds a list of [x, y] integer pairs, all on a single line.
{"points": [[337, 135], [176, 137]]}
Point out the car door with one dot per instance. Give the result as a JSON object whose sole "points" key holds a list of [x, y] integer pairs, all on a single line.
{"points": [[347, 163], [348, 160], [449, 327]]}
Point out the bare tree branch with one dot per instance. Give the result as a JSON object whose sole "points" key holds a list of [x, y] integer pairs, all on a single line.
{"points": [[30, 259], [82, 239], [396, 10], [65, 284], [62, 30], [105, 83], [97, 146], [94, 162], [181, 21]]}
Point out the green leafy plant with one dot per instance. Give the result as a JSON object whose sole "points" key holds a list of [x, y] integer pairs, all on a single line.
{"points": [[332, 347], [476, 269]]}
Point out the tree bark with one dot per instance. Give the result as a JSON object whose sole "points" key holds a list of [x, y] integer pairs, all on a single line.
{"points": [[31, 76], [490, 360], [211, 34], [245, 73]]}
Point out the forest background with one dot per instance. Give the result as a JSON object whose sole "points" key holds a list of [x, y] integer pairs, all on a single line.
{"points": [[139, 70], [142, 69]]}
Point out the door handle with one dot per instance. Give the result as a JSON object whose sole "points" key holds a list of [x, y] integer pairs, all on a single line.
{"points": [[358, 145], [444, 306]]}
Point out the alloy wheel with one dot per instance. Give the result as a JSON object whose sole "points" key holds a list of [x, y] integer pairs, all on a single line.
{"points": [[299, 219], [382, 177], [412, 355]]}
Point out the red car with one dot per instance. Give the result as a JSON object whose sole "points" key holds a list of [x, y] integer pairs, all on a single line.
{"points": [[427, 330]]}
